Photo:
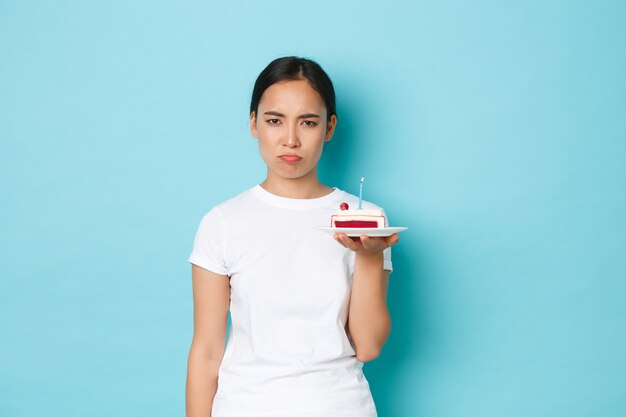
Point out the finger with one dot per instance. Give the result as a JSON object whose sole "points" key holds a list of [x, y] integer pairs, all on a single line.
{"points": [[338, 237], [393, 239], [340, 242], [346, 241], [354, 243], [374, 244], [368, 243]]}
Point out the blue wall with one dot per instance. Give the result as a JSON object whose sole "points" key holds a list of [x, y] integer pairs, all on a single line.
{"points": [[495, 131]]}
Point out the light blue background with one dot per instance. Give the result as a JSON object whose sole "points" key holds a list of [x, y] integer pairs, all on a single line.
{"points": [[495, 130]]}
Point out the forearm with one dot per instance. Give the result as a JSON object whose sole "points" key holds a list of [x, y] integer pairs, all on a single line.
{"points": [[368, 320], [202, 372]]}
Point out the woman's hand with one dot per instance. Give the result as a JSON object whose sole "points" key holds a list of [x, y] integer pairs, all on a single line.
{"points": [[366, 244]]}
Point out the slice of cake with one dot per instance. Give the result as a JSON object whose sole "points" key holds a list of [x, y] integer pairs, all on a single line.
{"points": [[344, 217]]}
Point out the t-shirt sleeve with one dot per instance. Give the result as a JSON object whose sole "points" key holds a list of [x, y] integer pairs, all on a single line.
{"points": [[209, 244], [387, 260], [387, 265]]}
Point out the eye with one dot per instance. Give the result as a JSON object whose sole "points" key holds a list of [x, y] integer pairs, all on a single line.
{"points": [[310, 123], [272, 121]]}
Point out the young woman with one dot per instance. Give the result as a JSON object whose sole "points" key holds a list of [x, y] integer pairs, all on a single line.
{"points": [[306, 310]]}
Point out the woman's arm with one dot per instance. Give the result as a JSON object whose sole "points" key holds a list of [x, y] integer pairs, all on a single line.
{"points": [[211, 299], [368, 318]]}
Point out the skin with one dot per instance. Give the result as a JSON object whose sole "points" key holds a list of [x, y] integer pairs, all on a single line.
{"points": [[291, 128]]}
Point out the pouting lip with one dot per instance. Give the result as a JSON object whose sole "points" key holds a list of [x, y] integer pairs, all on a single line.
{"points": [[290, 157]]}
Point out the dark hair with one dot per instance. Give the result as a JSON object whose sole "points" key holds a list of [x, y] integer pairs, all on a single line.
{"points": [[294, 68]]}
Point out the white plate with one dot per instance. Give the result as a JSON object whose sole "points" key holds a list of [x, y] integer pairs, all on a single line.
{"points": [[369, 231]]}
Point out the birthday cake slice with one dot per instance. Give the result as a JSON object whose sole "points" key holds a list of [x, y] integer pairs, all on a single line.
{"points": [[344, 217]]}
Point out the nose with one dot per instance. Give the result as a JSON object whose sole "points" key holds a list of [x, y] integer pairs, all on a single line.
{"points": [[292, 139]]}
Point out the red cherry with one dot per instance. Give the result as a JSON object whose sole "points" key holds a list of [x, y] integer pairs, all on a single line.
{"points": [[344, 206]]}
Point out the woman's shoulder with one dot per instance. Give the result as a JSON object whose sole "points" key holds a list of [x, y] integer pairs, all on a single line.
{"points": [[233, 204]]}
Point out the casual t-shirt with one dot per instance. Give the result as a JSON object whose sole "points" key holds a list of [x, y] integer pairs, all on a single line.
{"points": [[288, 352]]}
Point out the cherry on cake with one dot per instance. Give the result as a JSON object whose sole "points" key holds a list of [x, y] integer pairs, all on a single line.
{"points": [[361, 219]]}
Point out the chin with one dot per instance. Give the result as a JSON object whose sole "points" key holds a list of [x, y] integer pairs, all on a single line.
{"points": [[292, 174]]}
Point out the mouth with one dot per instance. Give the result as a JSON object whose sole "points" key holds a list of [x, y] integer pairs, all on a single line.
{"points": [[290, 159]]}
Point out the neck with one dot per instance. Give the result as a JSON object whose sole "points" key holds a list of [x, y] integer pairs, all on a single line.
{"points": [[305, 187]]}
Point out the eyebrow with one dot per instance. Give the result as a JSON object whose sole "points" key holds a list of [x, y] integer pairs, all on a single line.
{"points": [[302, 116]]}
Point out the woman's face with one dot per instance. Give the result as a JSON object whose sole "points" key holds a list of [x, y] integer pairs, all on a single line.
{"points": [[291, 127]]}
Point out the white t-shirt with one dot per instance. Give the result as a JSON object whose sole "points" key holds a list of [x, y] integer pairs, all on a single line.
{"points": [[288, 353]]}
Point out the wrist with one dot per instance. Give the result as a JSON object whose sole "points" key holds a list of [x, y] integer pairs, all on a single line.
{"points": [[370, 257]]}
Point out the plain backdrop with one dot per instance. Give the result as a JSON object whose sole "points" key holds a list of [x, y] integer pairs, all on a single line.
{"points": [[494, 130]]}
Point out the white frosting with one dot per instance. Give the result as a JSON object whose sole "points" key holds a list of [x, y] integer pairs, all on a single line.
{"points": [[359, 213]]}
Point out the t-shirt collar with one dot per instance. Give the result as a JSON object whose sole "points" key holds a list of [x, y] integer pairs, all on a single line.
{"points": [[296, 203]]}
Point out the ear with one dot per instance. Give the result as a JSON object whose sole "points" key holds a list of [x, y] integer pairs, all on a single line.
{"points": [[330, 128], [253, 130]]}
